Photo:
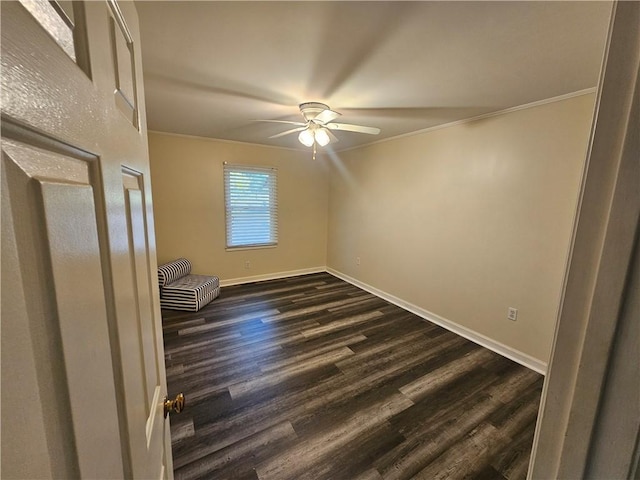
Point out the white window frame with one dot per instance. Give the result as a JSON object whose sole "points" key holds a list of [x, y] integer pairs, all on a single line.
{"points": [[245, 215]]}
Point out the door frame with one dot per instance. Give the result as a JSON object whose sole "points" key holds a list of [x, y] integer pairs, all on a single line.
{"points": [[597, 301]]}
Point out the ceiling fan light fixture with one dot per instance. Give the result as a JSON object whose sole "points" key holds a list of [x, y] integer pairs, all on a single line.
{"points": [[322, 137], [306, 137], [318, 125]]}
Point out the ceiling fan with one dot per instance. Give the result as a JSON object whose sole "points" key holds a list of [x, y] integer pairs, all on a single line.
{"points": [[317, 126]]}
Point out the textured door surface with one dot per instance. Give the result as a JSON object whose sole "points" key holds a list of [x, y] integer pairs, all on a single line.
{"points": [[83, 379]]}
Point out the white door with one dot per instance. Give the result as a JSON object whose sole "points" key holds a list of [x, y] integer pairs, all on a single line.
{"points": [[83, 379]]}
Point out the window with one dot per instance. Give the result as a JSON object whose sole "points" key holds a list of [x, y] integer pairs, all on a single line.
{"points": [[251, 206]]}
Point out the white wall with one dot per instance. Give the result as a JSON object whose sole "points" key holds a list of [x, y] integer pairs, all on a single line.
{"points": [[466, 221]]}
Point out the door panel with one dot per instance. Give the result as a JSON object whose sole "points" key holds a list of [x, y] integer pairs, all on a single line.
{"points": [[145, 350], [140, 269], [123, 52], [56, 240], [80, 313]]}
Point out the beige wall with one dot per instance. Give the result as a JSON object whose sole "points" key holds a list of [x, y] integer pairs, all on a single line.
{"points": [[188, 196], [468, 220]]}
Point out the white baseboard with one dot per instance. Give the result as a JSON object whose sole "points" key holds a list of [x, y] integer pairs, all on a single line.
{"points": [[271, 276], [501, 349]]}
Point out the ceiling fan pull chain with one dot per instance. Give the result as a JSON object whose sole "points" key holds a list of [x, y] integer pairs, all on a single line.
{"points": [[314, 151]]}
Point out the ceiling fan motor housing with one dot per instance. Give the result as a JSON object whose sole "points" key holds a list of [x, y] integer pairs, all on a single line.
{"points": [[310, 110]]}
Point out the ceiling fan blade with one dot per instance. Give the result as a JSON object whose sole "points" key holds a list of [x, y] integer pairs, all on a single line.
{"points": [[282, 134], [347, 127], [326, 116], [300, 124], [332, 137]]}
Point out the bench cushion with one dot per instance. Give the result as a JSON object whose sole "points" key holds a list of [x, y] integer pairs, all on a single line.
{"points": [[190, 292], [172, 271]]}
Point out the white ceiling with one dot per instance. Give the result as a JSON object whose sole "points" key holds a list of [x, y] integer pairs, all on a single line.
{"points": [[212, 68]]}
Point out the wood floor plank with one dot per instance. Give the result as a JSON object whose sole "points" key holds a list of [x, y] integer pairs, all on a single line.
{"points": [[370, 474], [259, 315], [353, 460], [291, 463], [340, 324], [234, 453], [444, 375], [513, 461], [312, 378], [310, 352], [310, 308], [445, 433], [249, 387]]}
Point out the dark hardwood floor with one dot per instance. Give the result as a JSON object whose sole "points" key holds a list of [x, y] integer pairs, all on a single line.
{"points": [[312, 378]]}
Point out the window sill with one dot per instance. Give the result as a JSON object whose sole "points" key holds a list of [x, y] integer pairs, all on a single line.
{"points": [[256, 247]]}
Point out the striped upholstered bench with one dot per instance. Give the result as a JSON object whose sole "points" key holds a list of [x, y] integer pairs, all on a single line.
{"points": [[180, 290]]}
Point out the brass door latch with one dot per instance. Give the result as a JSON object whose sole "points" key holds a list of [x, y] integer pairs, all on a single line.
{"points": [[176, 405]]}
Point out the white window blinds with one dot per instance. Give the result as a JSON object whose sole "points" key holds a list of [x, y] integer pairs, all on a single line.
{"points": [[251, 206]]}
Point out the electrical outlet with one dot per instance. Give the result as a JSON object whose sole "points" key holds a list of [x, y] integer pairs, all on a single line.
{"points": [[247, 265], [357, 260], [512, 314]]}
